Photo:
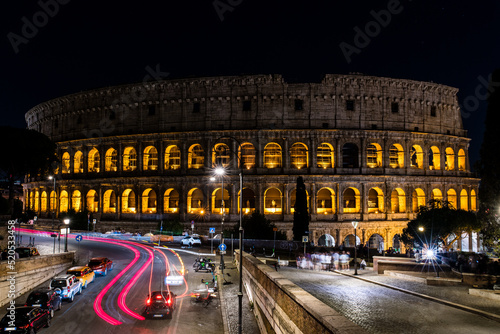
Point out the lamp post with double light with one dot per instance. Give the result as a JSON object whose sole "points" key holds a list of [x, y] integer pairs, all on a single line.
{"points": [[355, 225], [221, 172], [66, 223]]}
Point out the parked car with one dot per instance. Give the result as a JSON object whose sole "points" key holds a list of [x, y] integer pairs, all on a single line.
{"points": [[27, 320], [83, 273], [67, 286], [161, 304], [100, 265], [27, 252], [190, 241], [46, 299]]}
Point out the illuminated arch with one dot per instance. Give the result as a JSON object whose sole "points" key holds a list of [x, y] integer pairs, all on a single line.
{"points": [[53, 201], [65, 168], [31, 199], [272, 201], [325, 156], [473, 200], [375, 200], [195, 201], [171, 201], [109, 202], [248, 201], [449, 159], [149, 201], [376, 242], [461, 160], [128, 201], [436, 194], [76, 201], [217, 203], [92, 200], [94, 160], [434, 158], [396, 156], [111, 159], [272, 155], [464, 200], [325, 201], [172, 157], [247, 157], [351, 200], [196, 157], [221, 155], [298, 156], [78, 162], [129, 159], [398, 201], [416, 157], [44, 202], [374, 155], [63, 201], [37, 198], [418, 199], [150, 158], [452, 198]]}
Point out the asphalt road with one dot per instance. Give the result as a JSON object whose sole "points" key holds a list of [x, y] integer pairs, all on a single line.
{"points": [[80, 316]]}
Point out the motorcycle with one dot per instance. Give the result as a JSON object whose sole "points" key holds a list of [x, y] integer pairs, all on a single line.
{"points": [[204, 264], [206, 296]]}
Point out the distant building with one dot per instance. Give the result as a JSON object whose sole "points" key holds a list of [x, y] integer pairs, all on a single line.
{"points": [[370, 149]]}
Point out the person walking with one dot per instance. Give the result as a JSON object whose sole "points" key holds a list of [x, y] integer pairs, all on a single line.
{"points": [[344, 261], [336, 260]]}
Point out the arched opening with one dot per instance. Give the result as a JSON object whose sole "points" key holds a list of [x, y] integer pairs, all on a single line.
{"points": [[172, 157], [44, 201], [128, 201], [272, 156], [396, 156], [434, 158], [149, 201], [248, 201], [171, 201], [196, 157], [436, 195], [293, 198], [111, 160], [92, 201], [298, 156], [376, 242], [150, 158], [473, 200], [326, 240], [464, 200], [461, 160], [63, 201], [396, 244], [78, 162], [247, 156], [375, 200], [398, 201], [109, 202], [450, 159], [220, 203], [37, 198], [374, 155], [325, 156], [416, 157], [129, 159], [31, 199], [94, 161], [272, 201], [53, 201], [349, 240], [325, 201], [351, 200], [350, 156], [65, 163], [76, 201], [452, 198], [221, 155], [418, 199], [195, 202]]}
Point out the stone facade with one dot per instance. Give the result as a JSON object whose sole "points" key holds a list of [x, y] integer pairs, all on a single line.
{"points": [[369, 149]]}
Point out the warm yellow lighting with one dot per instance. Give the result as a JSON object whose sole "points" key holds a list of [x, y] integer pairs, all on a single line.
{"points": [[202, 212], [247, 210], [421, 228]]}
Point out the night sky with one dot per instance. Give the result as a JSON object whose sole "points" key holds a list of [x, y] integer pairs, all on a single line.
{"points": [[72, 46]]}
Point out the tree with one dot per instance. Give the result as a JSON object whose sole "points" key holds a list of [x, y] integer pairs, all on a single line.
{"points": [[439, 220], [488, 167], [257, 226], [300, 215], [24, 152]]}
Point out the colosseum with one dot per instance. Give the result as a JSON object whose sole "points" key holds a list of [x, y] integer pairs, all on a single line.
{"points": [[370, 149]]}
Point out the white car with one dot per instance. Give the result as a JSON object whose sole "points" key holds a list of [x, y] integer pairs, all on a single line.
{"points": [[190, 241]]}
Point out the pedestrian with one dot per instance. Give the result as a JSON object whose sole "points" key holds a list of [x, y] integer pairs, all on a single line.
{"points": [[362, 265], [336, 259], [344, 261]]}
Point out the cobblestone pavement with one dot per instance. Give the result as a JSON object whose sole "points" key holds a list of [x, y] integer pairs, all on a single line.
{"points": [[382, 310]]}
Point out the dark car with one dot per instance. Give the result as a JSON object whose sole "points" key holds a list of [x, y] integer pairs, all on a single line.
{"points": [[46, 299], [100, 265], [161, 304], [25, 320], [27, 252]]}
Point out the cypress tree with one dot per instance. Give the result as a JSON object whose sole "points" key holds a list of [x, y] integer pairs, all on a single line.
{"points": [[300, 215]]}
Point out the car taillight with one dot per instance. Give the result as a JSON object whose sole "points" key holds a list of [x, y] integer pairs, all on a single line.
{"points": [[148, 301], [169, 301], [68, 288]]}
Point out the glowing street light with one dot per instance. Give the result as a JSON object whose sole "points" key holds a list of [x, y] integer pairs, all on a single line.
{"points": [[66, 222], [421, 228], [355, 225]]}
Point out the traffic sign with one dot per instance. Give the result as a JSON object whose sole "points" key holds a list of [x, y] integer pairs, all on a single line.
{"points": [[222, 247], [94, 221], [211, 230], [79, 238], [305, 238], [223, 252]]}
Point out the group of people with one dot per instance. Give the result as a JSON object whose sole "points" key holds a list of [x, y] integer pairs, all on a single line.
{"points": [[326, 261]]}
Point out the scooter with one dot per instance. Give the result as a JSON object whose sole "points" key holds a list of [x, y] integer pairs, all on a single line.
{"points": [[204, 264]]}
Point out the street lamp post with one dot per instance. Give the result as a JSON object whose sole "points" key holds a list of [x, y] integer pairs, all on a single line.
{"points": [[66, 222], [55, 196], [355, 225]]}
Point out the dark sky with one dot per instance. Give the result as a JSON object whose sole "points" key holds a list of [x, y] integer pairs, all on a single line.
{"points": [[83, 45]]}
